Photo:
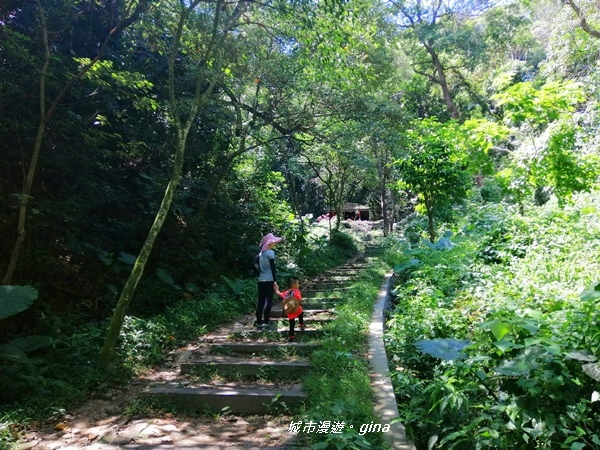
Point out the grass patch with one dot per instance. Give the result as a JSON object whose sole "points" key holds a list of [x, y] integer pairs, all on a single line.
{"points": [[339, 387]]}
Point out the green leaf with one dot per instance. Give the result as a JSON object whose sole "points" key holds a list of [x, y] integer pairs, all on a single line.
{"points": [[581, 355], [448, 349], [499, 329], [532, 341], [592, 370], [127, 258], [523, 364], [505, 345], [165, 276], [407, 265], [14, 299], [591, 292], [12, 353], [30, 343], [514, 368], [319, 446]]}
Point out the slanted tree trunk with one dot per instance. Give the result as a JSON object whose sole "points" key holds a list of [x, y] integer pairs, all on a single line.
{"points": [[35, 156], [182, 132], [585, 26], [442, 80], [118, 317]]}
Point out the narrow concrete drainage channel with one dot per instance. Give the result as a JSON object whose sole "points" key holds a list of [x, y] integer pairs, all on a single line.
{"points": [[385, 405], [220, 375]]}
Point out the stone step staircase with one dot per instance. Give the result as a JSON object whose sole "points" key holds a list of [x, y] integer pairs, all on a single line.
{"points": [[249, 348], [248, 400], [246, 367], [251, 371]]}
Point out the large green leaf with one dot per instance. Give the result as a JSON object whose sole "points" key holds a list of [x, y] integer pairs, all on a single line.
{"points": [[522, 364], [506, 345], [14, 299], [448, 349], [10, 352], [592, 370], [591, 293], [581, 355], [406, 266], [127, 258], [498, 328], [166, 277], [30, 343]]}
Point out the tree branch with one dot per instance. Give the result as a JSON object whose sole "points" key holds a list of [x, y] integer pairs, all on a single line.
{"points": [[582, 20]]}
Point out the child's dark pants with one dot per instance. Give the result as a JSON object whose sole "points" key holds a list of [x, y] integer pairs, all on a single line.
{"points": [[293, 323]]}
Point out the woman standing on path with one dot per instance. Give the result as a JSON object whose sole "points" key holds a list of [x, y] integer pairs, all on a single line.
{"points": [[267, 280]]}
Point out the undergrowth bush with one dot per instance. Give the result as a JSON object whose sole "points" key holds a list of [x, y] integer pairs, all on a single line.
{"points": [[508, 331]]}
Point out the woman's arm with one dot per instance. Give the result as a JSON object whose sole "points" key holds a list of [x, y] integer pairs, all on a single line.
{"points": [[273, 270]]}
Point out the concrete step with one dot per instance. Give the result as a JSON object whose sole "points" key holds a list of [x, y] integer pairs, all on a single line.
{"points": [[280, 333], [238, 400], [309, 306], [320, 297], [329, 305], [332, 278], [323, 286], [250, 348], [224, 365], [314, 320], [180, 447], [347, 271], [334, 284], [309, 313]]}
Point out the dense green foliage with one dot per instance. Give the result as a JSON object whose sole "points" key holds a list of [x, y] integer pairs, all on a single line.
{"points": [[519, 296]]}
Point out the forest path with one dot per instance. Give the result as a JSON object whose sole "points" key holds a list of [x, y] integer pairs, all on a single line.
{"points": [[239, 387]]}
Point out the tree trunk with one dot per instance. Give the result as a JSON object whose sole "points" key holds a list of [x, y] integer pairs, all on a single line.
{"points": [[382, 193], [585, 26], [110, 343], [28, 182], [384, 210], [392, 210], [443, 82]]}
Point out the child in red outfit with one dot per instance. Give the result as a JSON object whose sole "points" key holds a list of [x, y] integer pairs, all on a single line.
{"points": [[293, 290]]}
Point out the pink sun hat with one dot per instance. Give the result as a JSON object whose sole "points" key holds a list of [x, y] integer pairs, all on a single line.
{"points": [[268, 240]]}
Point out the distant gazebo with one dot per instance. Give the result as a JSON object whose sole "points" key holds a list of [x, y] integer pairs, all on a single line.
{"points": [[355, 211]]}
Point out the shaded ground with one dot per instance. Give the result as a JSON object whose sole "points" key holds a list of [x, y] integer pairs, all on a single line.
{"points": [[114, 418]]}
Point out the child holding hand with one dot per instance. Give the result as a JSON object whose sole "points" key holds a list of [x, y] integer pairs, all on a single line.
{"points": [[293, 292]]}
